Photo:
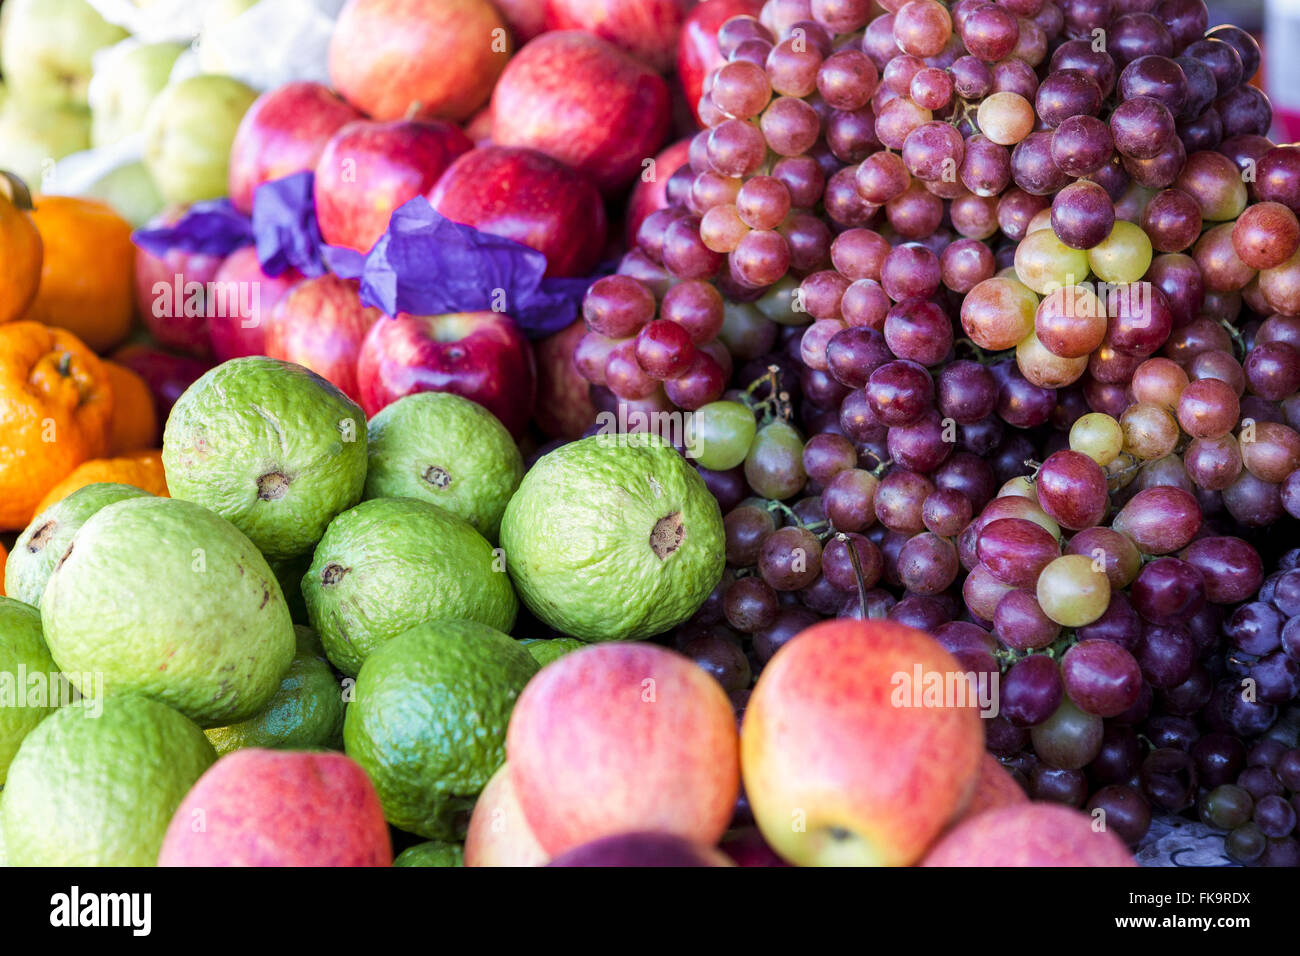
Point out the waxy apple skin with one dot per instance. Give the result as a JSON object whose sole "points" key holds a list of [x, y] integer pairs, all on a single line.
{"points": [[564, 406], [619, 738], [835, 772], [697, 45], [1029, 834], [652, 194], [994, 788], [175, 271], [585, 102], [645, 28], [283, 132], [418, 59], [498, 834], [529, 197], [482, 356], [280, 808], [238, 333], [368, 169], [320, 324]]}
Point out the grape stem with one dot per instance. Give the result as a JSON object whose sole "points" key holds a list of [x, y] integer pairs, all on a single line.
{"points": [[854, 560], [777, 403]]}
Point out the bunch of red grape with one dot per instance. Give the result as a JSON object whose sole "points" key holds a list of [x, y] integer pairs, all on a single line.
{"points": [[988, 318]]}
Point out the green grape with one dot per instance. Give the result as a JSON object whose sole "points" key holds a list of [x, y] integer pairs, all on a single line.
{"points": [[1226, 807], [778, 303], [1045, 263], [1098, 436], [774, 465], [720, 434], [1072, 591], [746, 332], [1123, 256]]}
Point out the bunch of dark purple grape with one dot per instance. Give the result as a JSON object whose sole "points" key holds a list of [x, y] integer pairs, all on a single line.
{"points": [[989, 320]]}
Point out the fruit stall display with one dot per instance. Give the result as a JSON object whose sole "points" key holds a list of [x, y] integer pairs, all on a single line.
{"points": [[640, 432]]}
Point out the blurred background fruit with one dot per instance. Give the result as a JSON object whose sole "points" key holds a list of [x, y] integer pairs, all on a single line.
{"points": [[86, 270]]}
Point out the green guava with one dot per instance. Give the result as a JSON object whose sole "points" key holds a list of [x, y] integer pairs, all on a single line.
{"points": [[428, 721], [161, 597], [613, 537], [432, 853], [545, 651], [391, 563], [43, 542], [270, 446], [446, 450], [27, 677], [305, 713], [100, 791]]}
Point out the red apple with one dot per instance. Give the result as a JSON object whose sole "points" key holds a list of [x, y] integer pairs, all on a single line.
{"points": [[621, 738], [171, 293], [427, 59], [697, 46], [529, 197], [564, 407], [479, 127], [283, 133], [369, 169], [279, 808], [645, 28], [994, 787], [239, 329], [1030, 834], [643, 849], [527, 18], [498, 834], [320, 323], [585, 102], [842, 739], [482, 356], [651, 193], [167, 375]]}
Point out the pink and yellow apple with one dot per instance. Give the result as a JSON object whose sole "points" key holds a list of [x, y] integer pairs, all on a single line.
{"points": [[840, 764], [498, 834], [425, 59], [994, 788], [621, 738], [279, 808], [1030, 834]]}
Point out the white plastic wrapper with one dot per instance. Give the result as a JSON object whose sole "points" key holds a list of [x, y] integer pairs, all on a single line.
{"points": [[156, 21], [73, 175], [271, 43]]}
